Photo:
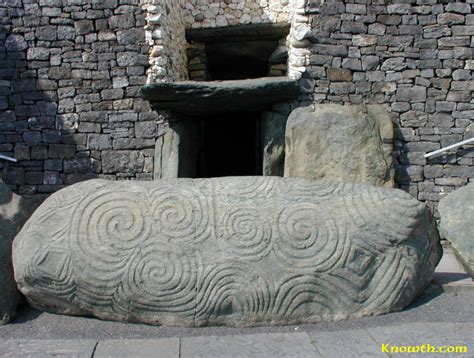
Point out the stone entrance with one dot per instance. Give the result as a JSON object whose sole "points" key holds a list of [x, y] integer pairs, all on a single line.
{"points": [[224, 121], [238, 114], [230, 145]]}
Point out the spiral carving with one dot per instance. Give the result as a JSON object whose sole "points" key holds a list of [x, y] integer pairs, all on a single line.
{"points": [[108, 226], [224, 251], [307, 237], [247, 232], [163, 279], [181, 214]]}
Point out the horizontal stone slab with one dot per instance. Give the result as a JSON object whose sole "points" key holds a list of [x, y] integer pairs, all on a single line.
{"points": [[198, 98], [239, 33], [234, 251]]}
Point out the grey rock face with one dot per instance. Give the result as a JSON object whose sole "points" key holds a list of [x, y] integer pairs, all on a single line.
{"points": [[233, 251], [198, 98], [343, 143], [14, 211], [457, 224], [273, 142]]}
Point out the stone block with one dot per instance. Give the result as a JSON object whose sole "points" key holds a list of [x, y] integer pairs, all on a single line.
{"points": [[46, 33], [99, 141], [236, 251], [67, 121], [122, 161], [320, 144], [458, 7], [399, 8], [332, 50], [131, 59], [121, 21], [449, 18], [37, 53], [16, 42], [353, 27], [79, 166], [411, 94], [131, 36], [83, 27], [394, 64], [364, 40], [148, 129], [62, 151], [370, 62], [339, 74], [456, 211]]}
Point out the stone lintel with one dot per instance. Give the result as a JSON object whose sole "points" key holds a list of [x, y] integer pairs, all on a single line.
{"points": [[239, 33], [200, 98]]}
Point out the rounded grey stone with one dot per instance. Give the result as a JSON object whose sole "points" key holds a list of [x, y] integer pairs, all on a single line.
{"points": [[233, 251]]}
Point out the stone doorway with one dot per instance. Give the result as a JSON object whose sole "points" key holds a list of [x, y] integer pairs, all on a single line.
{"points": [[222, 121], [230, 145]]}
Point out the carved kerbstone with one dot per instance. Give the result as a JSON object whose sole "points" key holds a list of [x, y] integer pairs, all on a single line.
{"points": [[233, 251]]}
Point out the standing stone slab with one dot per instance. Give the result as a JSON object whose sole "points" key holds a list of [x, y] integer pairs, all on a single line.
{"points": [[273, 143], [176, 152], [335, 142], [457, 224], [14, 211], [233, 251]]}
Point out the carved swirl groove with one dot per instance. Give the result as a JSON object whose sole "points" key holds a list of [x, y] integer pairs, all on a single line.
{"points": [[218, 251], [181, 214], [248, 232]]}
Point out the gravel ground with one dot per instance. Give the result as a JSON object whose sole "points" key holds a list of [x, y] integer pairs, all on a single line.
{"points": [[432, 306]]}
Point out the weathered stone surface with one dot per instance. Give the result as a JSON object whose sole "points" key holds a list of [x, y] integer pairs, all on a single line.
{"points": [[14, 211], [343, 143], [259, 32], [198, 98], [457, 225], [273, 127], [175, 152], [234, 251]]}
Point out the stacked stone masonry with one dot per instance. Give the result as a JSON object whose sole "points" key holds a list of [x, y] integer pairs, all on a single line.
{"points": [[70, 109], [414, 57], [70, 71]]}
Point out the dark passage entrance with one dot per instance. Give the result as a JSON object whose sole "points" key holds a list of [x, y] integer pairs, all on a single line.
{"points": [[239, 60], [230, 145]]}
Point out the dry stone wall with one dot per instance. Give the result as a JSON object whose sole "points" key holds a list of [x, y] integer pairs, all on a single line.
{"points": [[70, 71], [69, 105], [415, 58], [220, 13], [165, 34]]}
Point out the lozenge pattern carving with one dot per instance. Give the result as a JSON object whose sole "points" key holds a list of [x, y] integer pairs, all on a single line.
{"points": [[234, 251]]}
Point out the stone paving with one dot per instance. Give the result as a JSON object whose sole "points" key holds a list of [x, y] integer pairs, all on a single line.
{"points": [[369, 342], [450, 274]]}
